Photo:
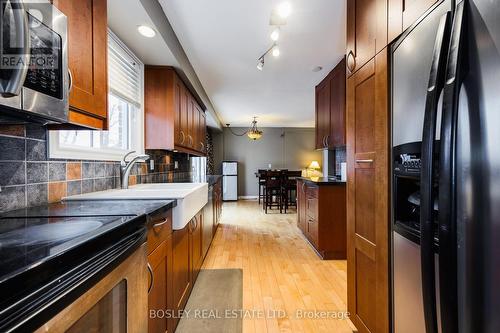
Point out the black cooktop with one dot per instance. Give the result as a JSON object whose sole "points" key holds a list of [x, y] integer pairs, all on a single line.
{"points": [[29, 242]]}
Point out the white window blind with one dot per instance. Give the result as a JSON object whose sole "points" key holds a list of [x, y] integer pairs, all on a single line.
{"points": [[124, 72]]}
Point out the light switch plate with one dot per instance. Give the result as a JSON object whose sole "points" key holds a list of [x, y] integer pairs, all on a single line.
{"points": [[151, 165], [176, 165]]}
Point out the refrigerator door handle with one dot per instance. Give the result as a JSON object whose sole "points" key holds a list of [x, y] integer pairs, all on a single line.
{"points": [[434, 88], [455, 70]]}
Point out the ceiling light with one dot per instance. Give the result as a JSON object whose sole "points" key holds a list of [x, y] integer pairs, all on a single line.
{"points": [[276, 51], [146, 31], [284, 9], [254, 133], [317, 69], [260, 64], [275, 35]]}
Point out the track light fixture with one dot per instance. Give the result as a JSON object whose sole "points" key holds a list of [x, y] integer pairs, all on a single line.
{"points": [[278, 19]]}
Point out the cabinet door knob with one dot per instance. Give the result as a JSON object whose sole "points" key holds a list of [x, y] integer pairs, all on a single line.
{"points": [[351, 61]]}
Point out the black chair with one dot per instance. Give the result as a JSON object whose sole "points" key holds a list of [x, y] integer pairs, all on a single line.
{"points": [[261, 174], [273, 190], [289, 187]]}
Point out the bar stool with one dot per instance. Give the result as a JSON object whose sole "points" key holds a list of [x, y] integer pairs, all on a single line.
{"points": [[262, 184], [273, 189]]}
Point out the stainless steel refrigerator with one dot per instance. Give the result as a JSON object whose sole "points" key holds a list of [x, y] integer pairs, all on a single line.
{"points": [[445, 104], [229, 180]]}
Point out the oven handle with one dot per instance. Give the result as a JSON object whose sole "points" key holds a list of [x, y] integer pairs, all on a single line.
{"points": [[15, 83], [70, 78], [150, 270]]}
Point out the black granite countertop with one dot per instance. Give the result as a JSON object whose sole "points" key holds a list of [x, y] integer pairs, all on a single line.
{"points": [[93, 208], [323, 180]]}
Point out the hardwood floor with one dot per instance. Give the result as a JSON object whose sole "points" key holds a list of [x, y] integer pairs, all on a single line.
{"points": [[280, 272]]}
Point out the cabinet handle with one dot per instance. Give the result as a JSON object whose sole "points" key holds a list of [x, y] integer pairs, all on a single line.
{"points": [[70, 78], [202, 146], [183, 137], [190, 140], [150, 270], [351, 61], [364, 161], [327, 139], [159, 224]]}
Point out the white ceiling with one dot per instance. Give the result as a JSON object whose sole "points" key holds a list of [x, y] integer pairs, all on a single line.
{"points": [[224, 38], [123, 18]]}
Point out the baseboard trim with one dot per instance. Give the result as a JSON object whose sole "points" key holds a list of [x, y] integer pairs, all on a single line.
{"points": [[248, 197]]}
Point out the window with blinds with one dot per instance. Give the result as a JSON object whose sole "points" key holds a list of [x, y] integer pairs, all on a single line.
{"points": [[125, 113], [124, 72]]}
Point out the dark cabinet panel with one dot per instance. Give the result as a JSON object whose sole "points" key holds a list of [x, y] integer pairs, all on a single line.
{"points": [[366, 31], [403, 13]]}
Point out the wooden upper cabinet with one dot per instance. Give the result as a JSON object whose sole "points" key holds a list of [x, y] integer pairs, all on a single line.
{"points": [[159, 107], [366, 31], [87, 61], [330, 109], [403, 13], [367, 196], [323, 92], [337, 106], [172, 115], [202, 131]]}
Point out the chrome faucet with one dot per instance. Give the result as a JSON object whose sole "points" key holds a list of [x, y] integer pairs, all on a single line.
{"points": [[125, 166]]}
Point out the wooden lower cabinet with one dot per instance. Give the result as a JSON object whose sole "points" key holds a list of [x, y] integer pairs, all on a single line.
{"points": [[367, 196], [160, 262], [181, 270], [321, 216], [187, 259], [217, 201], [158, 287], [196, 248]]}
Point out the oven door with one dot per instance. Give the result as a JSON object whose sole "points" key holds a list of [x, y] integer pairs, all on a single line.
{"points": [[117, 303], [46, 87]]}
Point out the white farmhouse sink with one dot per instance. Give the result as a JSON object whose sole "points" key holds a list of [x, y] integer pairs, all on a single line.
{"points": [[191, 198]]}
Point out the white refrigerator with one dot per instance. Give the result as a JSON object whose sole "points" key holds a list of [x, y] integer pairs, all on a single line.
{"points": [[229, 181]]}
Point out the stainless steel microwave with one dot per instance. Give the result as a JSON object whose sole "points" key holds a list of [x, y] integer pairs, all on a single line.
{"points": [[34, 77]]}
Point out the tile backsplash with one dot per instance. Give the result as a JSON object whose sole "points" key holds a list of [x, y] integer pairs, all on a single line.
{"points": [[28, 177]]}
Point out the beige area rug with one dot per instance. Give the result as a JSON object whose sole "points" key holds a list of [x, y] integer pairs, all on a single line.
{"points": [[216, 298]]}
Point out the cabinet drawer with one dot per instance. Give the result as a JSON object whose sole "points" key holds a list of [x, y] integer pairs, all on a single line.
{"points": [[159, 228], [312, 191], [312, 230], [312, 208]]}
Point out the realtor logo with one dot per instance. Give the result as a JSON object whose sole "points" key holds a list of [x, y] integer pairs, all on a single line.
{"points": [[26, 36]]}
